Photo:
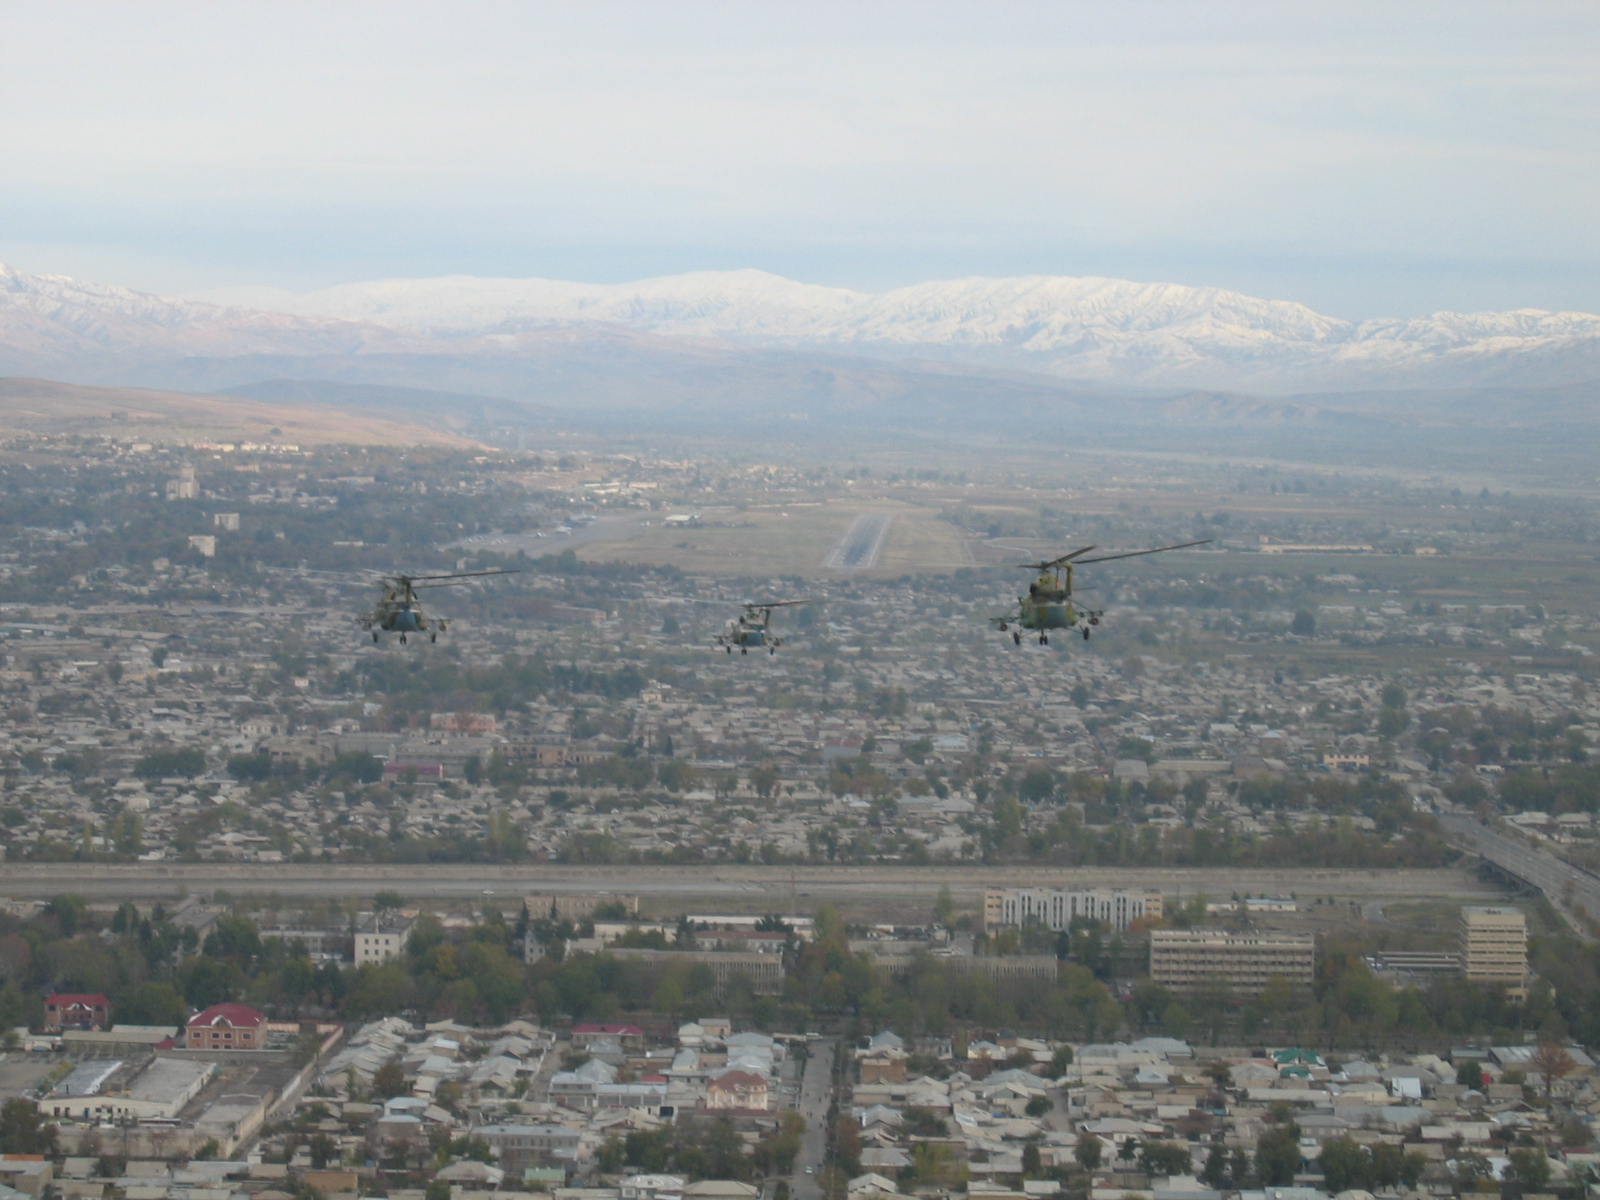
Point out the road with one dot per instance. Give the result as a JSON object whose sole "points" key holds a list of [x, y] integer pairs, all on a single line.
{"points": [[1556, 879], [748, 888], [815, 1094]]}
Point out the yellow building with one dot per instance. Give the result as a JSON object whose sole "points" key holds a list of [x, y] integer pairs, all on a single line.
{"points": [[1185, 959], [1494, 944]]}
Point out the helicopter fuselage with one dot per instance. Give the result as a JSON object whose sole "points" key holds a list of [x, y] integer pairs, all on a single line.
{"points": [[403, 620], [1040, 613]]}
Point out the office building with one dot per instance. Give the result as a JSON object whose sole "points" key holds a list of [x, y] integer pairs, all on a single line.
{"points": [[1186, 959]]}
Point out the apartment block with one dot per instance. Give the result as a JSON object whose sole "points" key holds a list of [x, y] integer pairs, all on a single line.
{"points": [[1185, 959], [1058, 908], [1494, 944]]}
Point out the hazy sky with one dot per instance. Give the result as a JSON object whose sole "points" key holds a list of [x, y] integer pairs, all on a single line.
{"points": [[1367, 159]]}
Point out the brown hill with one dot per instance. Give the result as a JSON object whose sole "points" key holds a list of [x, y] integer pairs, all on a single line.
{"points": [[44, 406]]}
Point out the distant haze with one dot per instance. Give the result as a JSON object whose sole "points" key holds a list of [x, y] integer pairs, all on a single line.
{"points": [[1364, 159]]}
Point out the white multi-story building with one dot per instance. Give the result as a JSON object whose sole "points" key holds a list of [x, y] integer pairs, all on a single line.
{"points": [[381, 938], [1058, 908]]}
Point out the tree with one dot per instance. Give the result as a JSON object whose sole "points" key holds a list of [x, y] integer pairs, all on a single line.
{"points": [[1304, 624], [1060, 1061], [1215, 1173], [386, 901], [1037, 1106], [1529, 1169], [162, 764], [1344, 1165], [22, 1131], [1278, 1156], [944, 905], [1469, 1074], [389, 1080], [1552, 1062], [1032, 1163], [1087, 1151], [323, 1151], [1165, 1158]]}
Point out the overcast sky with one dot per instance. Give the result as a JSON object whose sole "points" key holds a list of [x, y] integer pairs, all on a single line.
{"points": [[1385, 159]]}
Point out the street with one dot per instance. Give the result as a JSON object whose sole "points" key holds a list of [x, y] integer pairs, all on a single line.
{"points": [[815, 1094]]}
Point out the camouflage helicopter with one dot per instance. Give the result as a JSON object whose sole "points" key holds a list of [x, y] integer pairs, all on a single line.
{"points": [[1048, 604], [399, 609], [753, 627]]}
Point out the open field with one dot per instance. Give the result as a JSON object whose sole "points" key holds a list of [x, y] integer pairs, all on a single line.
{"points": [[42, 406]]}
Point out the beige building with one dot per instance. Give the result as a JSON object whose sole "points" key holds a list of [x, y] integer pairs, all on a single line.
{"points": [[381, 938], [1184, 959], [1494, 944], [1057, 908], [560, 907]]}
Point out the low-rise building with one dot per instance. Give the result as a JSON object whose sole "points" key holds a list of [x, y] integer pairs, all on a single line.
{"points": [[226, 1027], [518, 1146], [742, 1090], [76, 1010], [382, 937]]}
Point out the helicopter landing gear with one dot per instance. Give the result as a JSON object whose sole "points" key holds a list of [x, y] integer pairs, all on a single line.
{"points": [[1016, 637], [1086, 635]]}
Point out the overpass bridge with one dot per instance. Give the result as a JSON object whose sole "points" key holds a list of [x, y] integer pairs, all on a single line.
{"points": [[1571, 889]]}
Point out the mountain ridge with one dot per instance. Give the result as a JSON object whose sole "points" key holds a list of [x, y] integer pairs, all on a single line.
{"points": [[514, 337], [1091, 328]]}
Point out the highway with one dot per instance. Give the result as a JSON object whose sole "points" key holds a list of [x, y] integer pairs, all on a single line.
{"points": [[730, 887], [1563, 884], [815, 1093]]}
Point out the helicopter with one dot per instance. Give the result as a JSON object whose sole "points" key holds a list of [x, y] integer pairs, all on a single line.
{"points": [[752, 627], [1048, 604], [399, 609]]}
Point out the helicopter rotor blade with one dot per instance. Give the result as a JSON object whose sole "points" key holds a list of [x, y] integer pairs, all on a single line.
{"points": [[457, 575], [1138, 553], [1054, 562]]}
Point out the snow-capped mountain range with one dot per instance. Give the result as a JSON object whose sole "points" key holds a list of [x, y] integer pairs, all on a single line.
{"points": [[1105, 330], [1082, 329]]}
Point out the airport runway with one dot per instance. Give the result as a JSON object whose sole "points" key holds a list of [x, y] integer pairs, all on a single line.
{"points": [[861, 544]]}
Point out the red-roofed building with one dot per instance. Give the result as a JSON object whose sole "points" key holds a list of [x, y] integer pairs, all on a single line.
{"points": [[227, 1027], [737, 1089], [76, 1010]]}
